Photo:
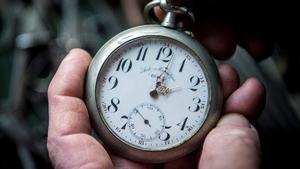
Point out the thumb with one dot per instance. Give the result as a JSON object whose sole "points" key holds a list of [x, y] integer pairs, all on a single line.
{"points": [[233, 144]]}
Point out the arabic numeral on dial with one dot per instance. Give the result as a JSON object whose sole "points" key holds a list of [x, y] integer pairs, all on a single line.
{"points": [[164, 54], [141, 142], [124, 65], [182, 123], [195, 81], [202, 106], [182, 65], [125, 118], [118, 129], [113, 81], [131, 125], [165, 136], [195, 107], [113, 107], [142, 54]]}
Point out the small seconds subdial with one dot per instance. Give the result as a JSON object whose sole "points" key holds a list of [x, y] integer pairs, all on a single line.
{"points": [[146, 122]]}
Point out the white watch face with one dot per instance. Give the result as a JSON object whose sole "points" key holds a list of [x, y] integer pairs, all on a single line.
{"points": [[153, 93]]}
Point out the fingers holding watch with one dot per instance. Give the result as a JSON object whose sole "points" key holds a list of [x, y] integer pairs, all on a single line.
{"points": [[247, 99], [233, 144], [69, 127], [235, 128], [234, 139], [69, 143]]}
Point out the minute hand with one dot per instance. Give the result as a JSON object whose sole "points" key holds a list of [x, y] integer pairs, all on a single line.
{"points": [[165, 71], [160, 80]]}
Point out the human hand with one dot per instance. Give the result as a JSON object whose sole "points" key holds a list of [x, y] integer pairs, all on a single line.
{"points": [[232, 144]]}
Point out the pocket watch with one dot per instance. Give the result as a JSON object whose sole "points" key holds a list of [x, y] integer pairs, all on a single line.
{"points": [[152, 91]]}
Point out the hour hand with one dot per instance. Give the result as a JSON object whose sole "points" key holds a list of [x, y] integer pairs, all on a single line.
{"points": [[163, 90]]}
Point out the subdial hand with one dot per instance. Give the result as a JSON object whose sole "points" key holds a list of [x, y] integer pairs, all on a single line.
{"points": [[146, 121]]}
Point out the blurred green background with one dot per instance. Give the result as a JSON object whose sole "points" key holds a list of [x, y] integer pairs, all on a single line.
{"points": [[35, 35]]}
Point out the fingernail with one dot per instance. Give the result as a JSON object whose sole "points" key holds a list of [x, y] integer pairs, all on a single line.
{"points": [[234, 119]]}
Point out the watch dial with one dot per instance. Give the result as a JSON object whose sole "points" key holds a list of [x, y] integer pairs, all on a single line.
{"points": [[152, 93]]}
